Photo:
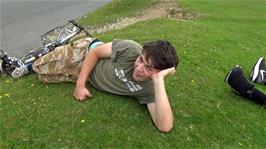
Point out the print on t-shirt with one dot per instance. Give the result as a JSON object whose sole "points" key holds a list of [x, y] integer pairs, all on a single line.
{"points": [[133, 87]]}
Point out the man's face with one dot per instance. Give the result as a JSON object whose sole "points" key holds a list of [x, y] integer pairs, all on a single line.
{"points": [[143, 69]]}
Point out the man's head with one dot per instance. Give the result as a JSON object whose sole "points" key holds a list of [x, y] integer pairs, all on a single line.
{"points": [[155, 56]]}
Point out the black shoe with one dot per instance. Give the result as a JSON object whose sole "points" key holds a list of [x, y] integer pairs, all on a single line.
{"points": [[258, 74], [237, 80]]}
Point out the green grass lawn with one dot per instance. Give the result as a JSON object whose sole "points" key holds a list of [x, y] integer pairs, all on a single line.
{"points": [[207, 114]]}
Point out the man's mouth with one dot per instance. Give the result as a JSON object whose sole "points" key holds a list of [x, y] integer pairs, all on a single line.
{"points": [[137, 74]]}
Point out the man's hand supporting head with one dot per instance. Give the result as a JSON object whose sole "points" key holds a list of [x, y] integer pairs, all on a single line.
{"points": [[160, 110]]}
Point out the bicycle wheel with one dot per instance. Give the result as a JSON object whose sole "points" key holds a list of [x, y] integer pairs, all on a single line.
{"points": [[51, 36], [69, 31]]}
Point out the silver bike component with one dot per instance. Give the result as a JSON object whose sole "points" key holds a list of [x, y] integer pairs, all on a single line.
{"points": [[1, 70], [19, 72]]}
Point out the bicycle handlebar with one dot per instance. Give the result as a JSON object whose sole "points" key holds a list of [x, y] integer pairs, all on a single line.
{"points": [[80, 27]]}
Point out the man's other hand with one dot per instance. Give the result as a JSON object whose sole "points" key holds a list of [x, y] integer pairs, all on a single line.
{"points": [[82, 93]]}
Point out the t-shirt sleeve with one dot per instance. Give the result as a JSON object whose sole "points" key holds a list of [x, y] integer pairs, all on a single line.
{"points": [[125, 50], [146, 100], [148, 95]]}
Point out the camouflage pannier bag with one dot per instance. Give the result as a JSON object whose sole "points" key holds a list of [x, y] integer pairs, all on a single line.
{"points": [[64, 63]]}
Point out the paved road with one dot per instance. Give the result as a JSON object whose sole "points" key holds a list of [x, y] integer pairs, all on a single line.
{"points": [[22, 22]]}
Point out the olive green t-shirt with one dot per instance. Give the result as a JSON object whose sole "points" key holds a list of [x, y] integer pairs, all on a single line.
{"points": [[115, 74]]}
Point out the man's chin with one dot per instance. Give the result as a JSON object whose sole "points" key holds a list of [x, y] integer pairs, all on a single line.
{"points": [[136, 78], [139, 79]]}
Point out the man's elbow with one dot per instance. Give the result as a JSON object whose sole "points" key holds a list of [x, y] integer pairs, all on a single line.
{"points": [[166, 126]]}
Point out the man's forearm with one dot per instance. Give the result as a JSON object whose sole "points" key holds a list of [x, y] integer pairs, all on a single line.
{"points": [[87, 66], [163, 112]]}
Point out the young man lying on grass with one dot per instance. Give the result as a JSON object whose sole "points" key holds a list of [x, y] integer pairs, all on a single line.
{"points": [[120, 67]]}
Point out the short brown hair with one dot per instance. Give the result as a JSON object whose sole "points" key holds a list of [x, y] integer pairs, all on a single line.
{"points": [[162, 54]]}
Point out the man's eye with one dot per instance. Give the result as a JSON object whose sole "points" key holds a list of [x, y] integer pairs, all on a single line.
{"points": [[150, 68]]}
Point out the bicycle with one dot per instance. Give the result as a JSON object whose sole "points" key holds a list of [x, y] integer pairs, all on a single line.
{"points": [[56, 37]]}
